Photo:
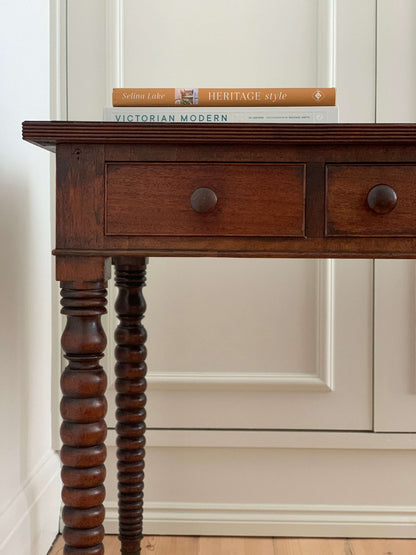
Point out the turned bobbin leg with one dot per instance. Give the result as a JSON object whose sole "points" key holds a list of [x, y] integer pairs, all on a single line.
{"points": [[83, 408], [130, 370]]}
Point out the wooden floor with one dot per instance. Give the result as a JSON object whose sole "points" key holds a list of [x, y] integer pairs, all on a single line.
{"points": [[193, 545]]}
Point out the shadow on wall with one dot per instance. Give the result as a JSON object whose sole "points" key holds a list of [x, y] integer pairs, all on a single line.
{"points": [[14, 323], [25, 361]]}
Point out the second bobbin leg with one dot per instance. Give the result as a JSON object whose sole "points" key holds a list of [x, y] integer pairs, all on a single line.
{"points": [[130, 369]]}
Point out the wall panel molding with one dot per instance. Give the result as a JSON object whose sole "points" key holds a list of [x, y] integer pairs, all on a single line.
{"points": [[322, 379], [114, 46], [326, 45], [59, 111], [272, 439], [273, 520]]}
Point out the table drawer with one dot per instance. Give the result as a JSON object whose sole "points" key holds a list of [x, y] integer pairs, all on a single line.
{"points": [[154, 199], [371, 200]]}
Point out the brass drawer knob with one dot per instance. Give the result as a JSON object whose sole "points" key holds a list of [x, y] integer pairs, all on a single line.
{"points": [[381, 199], [203, 200]]}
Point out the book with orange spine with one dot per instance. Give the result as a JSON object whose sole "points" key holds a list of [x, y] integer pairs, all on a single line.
{"points": [[298, 96]]}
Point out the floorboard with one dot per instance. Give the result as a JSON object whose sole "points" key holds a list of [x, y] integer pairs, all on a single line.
{"points": [[194, 545], [310, 546]]}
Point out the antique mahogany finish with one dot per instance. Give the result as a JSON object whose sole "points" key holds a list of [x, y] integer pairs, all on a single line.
{"points": [[128, 191]]}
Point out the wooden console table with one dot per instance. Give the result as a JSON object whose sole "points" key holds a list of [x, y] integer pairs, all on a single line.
{"points": [[128, 191]]}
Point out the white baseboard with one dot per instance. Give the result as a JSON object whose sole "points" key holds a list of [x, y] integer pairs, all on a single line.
{"points": [[273, 520], [29, 523]]}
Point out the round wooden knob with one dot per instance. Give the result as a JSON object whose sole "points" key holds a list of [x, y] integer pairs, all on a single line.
{"points": [[203, 200], [381, 199]]}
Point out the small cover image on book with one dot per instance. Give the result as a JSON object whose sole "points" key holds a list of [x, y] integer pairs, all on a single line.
{"points": [[186, 97]]}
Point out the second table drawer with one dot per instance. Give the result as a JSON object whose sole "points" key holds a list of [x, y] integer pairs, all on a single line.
{"points": [[371, 200], [218, 199]]}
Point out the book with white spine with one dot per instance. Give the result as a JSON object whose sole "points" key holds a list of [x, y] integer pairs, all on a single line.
{"points": [[232, 114]]}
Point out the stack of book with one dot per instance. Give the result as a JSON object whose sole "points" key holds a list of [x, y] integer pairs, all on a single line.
{"points": [[290, 105]]}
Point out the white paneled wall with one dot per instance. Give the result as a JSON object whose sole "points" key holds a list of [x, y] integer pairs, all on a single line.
{"points": [[318, 482]]}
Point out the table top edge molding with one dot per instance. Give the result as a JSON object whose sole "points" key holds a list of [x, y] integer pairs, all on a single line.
{"points": [[48, 134]]}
